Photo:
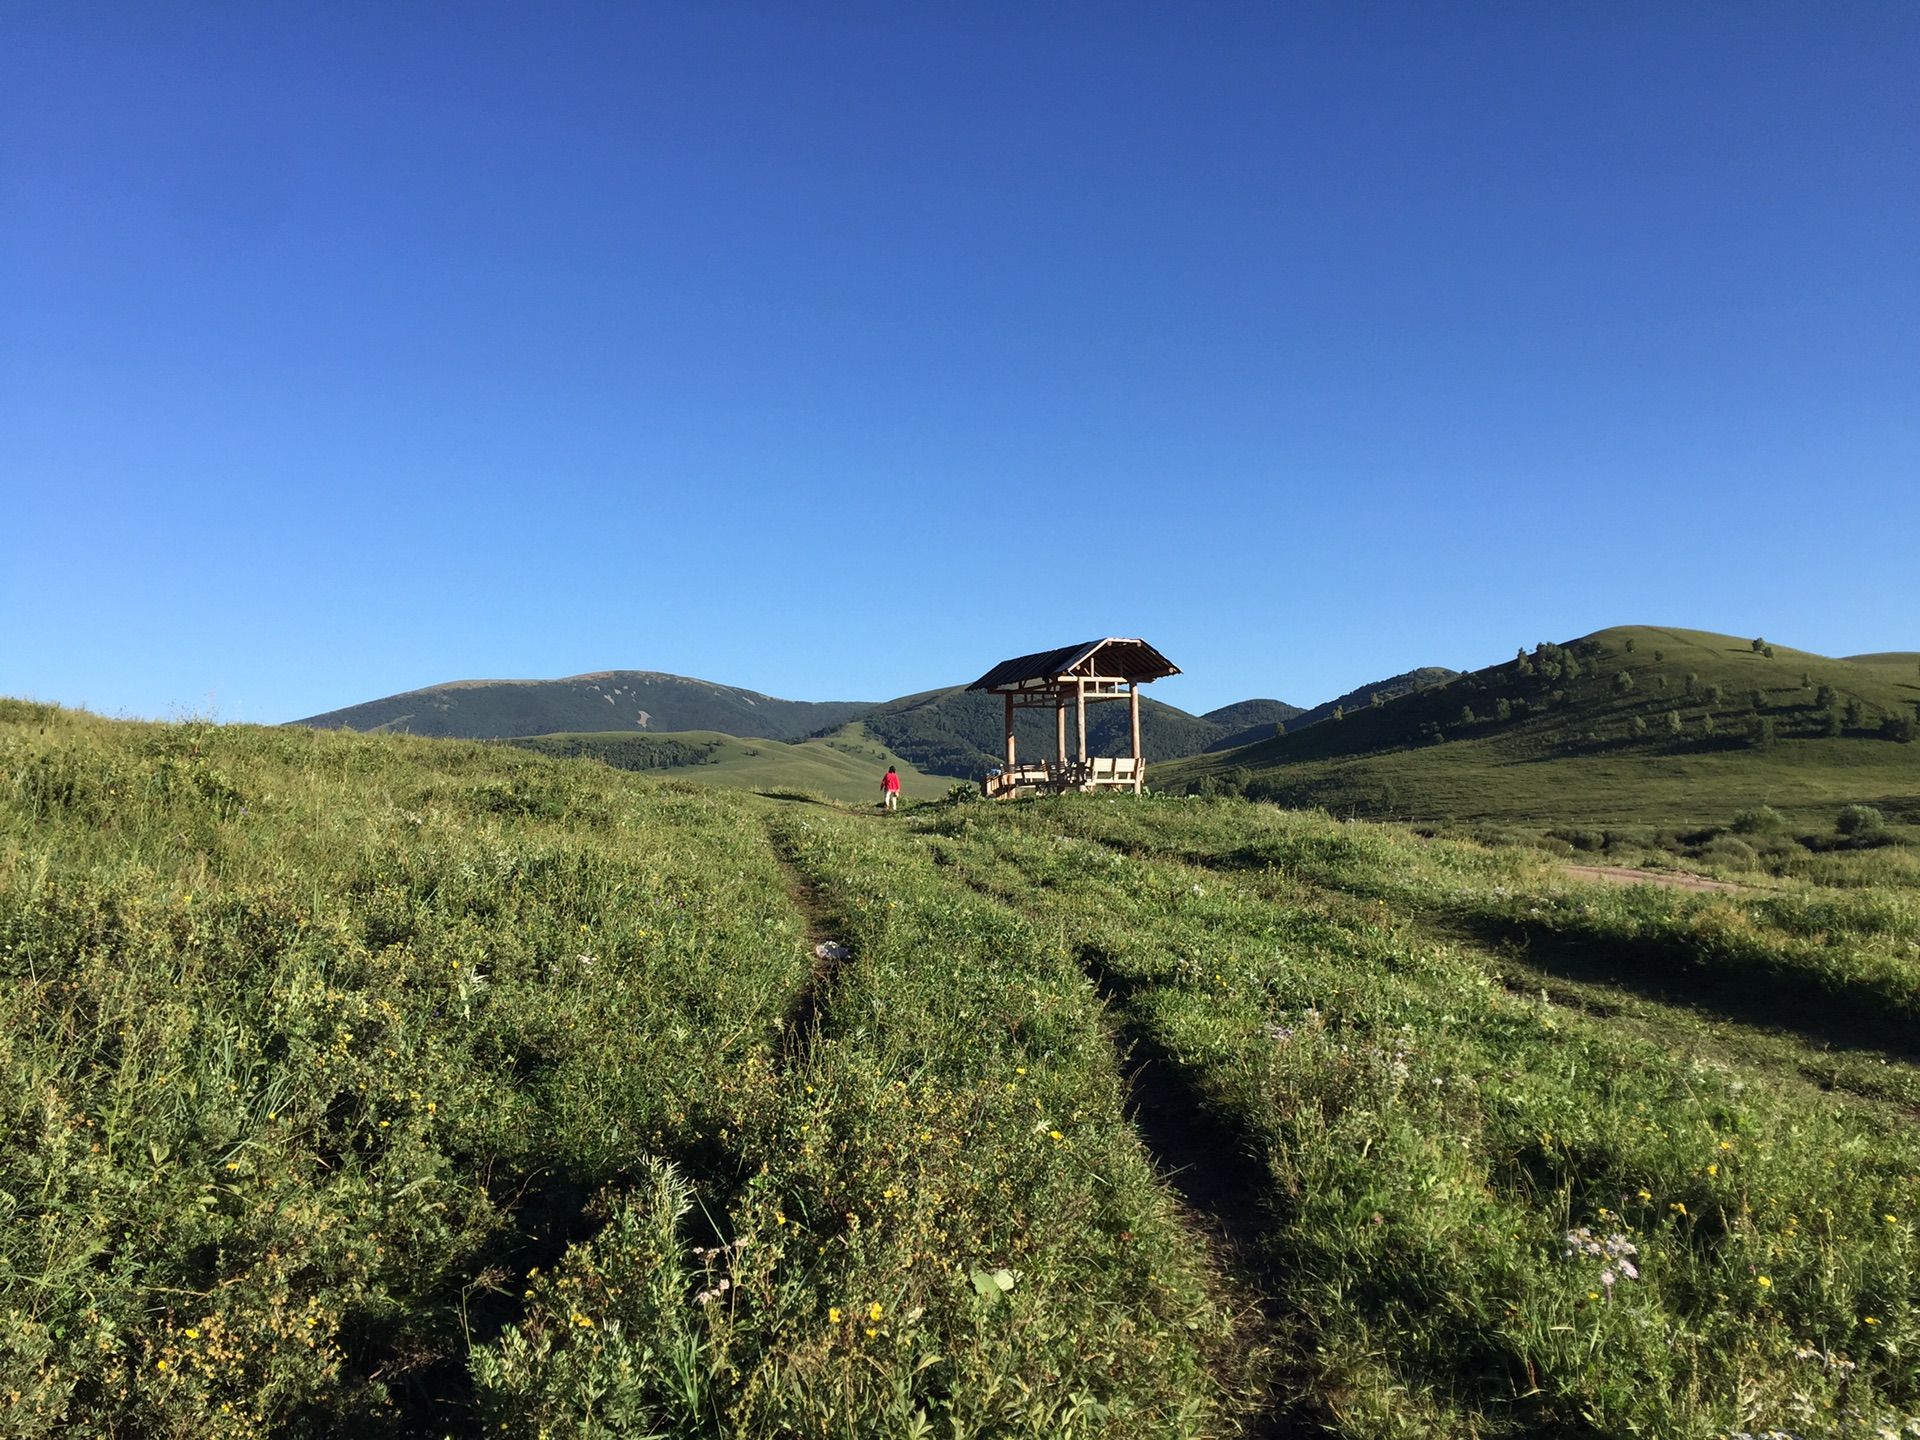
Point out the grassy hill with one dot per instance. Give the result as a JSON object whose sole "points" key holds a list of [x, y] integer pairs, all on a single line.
{"points": [[636, 700], [371, 1086], [1247, 714], [845, 765], [1250, 729], [1894, 665], [1631, 724]]}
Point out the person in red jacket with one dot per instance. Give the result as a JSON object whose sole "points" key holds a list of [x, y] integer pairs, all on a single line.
{"points": [[890, 788]]}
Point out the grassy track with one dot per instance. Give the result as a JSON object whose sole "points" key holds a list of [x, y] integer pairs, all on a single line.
{"points": [[368, 1085], [1434, 1142]]}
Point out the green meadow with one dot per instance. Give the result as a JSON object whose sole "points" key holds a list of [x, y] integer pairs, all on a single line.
{"points": [[845, 765], [372, 1085]]}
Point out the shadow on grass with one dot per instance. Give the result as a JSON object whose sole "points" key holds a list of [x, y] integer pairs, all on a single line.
{"points": [[1836, 1015], [419, 1350]]}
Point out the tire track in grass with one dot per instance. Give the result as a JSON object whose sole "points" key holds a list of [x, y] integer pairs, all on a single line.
{"points": [[1214, 1170], [800, 1026]]}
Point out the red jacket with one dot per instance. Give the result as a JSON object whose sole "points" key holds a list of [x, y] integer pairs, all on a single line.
{"points": [[892, 782]]}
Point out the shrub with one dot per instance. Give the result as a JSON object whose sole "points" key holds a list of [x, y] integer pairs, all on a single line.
{"points": [[1897, 728], [1856, 713], [1764, 733], [1623, 683], [1728, 851], [1638, 726], [1758, 644], [1760, 820], [1860, 822]]}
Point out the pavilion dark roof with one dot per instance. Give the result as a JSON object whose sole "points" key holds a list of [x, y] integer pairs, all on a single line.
{"points": [[1123, 659]]}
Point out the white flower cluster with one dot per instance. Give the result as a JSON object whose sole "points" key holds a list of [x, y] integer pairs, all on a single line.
{"points": [[1616, 1251]]}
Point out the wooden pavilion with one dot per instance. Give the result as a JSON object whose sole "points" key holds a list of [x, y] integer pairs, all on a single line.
{"points": [[1072, 678]]}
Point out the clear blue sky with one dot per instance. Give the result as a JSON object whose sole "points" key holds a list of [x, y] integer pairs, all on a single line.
{"points": [[840, 351]]}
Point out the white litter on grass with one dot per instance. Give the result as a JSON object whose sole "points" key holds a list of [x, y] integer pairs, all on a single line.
{"points": [[831, 950]]}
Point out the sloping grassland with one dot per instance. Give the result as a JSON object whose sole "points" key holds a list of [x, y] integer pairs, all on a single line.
{"points": [[367, 1085], [846, 764], [1636, 724]]}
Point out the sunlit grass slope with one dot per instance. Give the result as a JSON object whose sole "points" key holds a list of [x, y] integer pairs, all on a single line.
{"points": [[1634, 724], [1479, 1211], [381, 1086], [846, 765], [367, 1085]]}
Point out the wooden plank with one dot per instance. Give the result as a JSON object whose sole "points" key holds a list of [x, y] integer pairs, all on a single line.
{"points": [[1010, 761], [1083, 720]]}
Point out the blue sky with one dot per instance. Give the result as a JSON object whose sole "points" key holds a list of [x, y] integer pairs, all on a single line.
{"points": [[840, 351]]}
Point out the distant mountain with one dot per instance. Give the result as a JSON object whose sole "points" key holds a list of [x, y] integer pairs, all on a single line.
{"points": [[950, 732], [1621, 724], [962, 732], [1245, 714], [1252, 721], [1388, 689], [629, 700]]}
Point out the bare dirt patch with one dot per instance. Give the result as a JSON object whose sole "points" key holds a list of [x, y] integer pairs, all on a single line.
{"points": [[1628, 875]]}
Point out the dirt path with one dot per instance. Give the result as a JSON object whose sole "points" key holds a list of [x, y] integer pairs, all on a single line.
{"points": [[1627, 875], [802, 1023]]}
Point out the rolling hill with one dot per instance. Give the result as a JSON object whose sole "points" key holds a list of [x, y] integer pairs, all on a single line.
{"points": [[949, 732], [845, 765], [1249, 726], [1626, 724], [623, 700]]}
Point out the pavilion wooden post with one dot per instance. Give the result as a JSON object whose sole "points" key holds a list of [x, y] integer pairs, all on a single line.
{"points": [[1133, 714], [1060, 729], [1080, 688], [1009, 733]]}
